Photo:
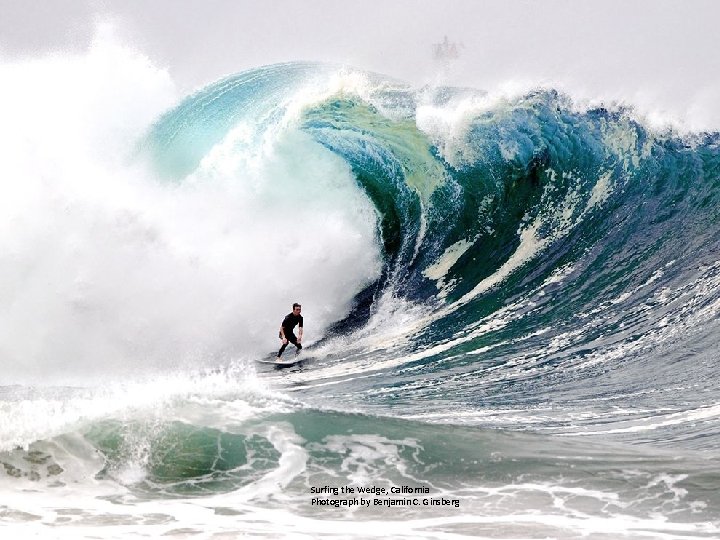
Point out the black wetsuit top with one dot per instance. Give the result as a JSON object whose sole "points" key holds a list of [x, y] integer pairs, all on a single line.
{"points": [[290, 321]]}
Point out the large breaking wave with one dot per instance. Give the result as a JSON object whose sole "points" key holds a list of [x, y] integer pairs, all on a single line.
{"points": [[465, 260], [532, 250]]}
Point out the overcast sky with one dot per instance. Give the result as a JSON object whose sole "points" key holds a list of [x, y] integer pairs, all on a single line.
{"points": [[665, 52]]}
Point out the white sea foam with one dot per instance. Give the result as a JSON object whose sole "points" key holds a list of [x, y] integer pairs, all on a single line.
{"points": [[106, 270]]}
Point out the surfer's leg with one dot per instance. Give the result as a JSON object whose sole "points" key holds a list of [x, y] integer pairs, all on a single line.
{"points": [[292, 338], [282, 349]]}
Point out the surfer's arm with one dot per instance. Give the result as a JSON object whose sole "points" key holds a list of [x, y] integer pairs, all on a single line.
{"points": [[300, 334]]}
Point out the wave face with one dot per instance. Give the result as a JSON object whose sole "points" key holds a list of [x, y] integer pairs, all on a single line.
{"points": [[511, 300], [539, 252]]}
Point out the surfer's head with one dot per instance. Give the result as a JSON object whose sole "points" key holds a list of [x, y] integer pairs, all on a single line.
{"points": [[296, 308]]}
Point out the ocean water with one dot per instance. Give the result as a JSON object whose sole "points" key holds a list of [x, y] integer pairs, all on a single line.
{"points": [[511, 308]]}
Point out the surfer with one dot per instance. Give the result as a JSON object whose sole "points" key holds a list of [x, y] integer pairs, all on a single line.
{"points": [[286, 329]]}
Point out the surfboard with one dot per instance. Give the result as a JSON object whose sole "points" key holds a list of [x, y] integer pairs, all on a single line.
{"points": [[292, 360]]}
